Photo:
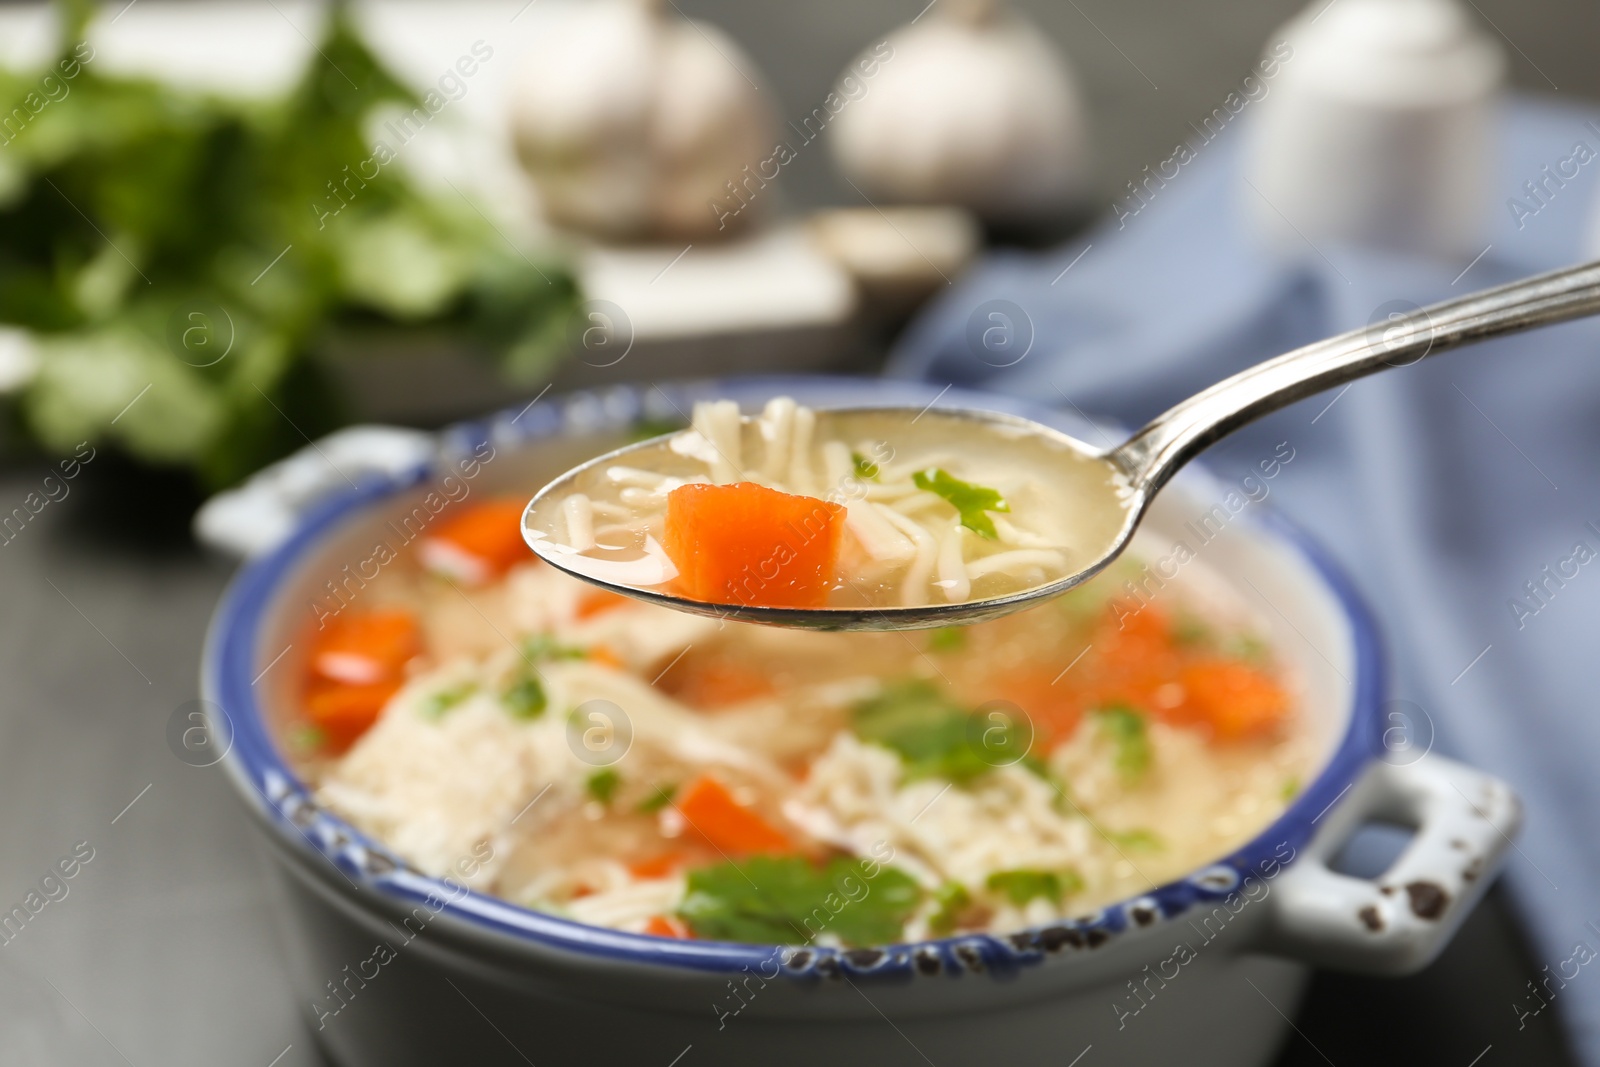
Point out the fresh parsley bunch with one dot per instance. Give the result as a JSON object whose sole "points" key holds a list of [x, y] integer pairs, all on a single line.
{"points": [[164, 245]]}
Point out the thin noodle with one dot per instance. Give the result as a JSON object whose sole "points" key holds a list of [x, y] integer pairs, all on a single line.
{"points": [[580, 521], [876, 534], [643, 479], [1012, 534], [918, 501], [836, 463], [724, 426], [777, 429], [800, 476], [953, 578], [1011, 562], [914, 590], [642, 498]]}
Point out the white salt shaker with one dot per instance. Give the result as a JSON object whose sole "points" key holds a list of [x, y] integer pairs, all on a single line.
{"points": [[1378, 130]]}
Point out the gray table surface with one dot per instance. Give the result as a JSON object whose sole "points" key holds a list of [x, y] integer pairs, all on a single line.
{"points": [[163, 950]]}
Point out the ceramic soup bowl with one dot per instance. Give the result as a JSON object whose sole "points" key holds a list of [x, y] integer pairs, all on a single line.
{"points": [[395, 968]]}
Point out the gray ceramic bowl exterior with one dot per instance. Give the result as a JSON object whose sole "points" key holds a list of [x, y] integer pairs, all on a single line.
{"points": [[397, 969]]}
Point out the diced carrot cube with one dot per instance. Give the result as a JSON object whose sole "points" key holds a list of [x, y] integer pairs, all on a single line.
{"points": [[606, 656], [1051, 710], [667, 926], [733, 828], [747, 544], [361, 649], [356, 664], [1235, 699], [479, 544], [1133, 655], [718, 682], [344, 712], [592, 602], [658, 866]]}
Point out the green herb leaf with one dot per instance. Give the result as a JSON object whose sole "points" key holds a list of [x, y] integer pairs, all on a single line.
{"points": [[660, 798], [1290, 788], [1139, 840], [525, 697], [936, 737], [949, 639], [953, 899], [436, 704], [1187, 629], [866, 470], [1042, 769], [1126, 729], [1021, 886], [261, 251], [1082, 603], [543, 648], [786, 900], [307, 738], [973, 502], [1248, 647], [602, 784]]}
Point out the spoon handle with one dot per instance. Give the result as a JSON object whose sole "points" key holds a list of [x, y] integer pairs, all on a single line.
{"points": [[1171, 439]]}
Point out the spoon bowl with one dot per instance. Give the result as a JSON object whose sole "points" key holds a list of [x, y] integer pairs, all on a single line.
{"points": [[1108, 513], [1109, 488]]}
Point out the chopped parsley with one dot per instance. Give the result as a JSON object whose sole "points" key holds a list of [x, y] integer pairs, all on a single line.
{"points": [[973, 502], [1020, 887], [1081, 603], [787, 900], [660, 798], [307, 738], [435, 704], [948, 639], [1125, 728], [544, 647], [1189, 630], [953, 899], [1139, 840], [1248, 647], [602, 785], [936, 737], [866, 470], [525, 697]]}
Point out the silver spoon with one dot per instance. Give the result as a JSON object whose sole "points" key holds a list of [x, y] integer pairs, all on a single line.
{"points": [[1146, 461]]}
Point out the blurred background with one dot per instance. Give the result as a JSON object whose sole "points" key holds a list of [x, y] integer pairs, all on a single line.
{"points": [[1196, 53], [229, 229]]}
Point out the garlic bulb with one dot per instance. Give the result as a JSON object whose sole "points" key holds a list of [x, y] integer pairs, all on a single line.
{"points": [[972, 106], [632, 121]]}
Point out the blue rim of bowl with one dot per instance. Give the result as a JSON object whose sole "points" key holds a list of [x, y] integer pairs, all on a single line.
{"points": [[264, 777]]}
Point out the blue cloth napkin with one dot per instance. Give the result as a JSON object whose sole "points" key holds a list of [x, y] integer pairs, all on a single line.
{"points": [[1444, 488]]}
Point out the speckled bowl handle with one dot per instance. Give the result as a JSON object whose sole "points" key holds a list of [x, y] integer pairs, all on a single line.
{"points": [[1464, 821], [254, 518]]}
